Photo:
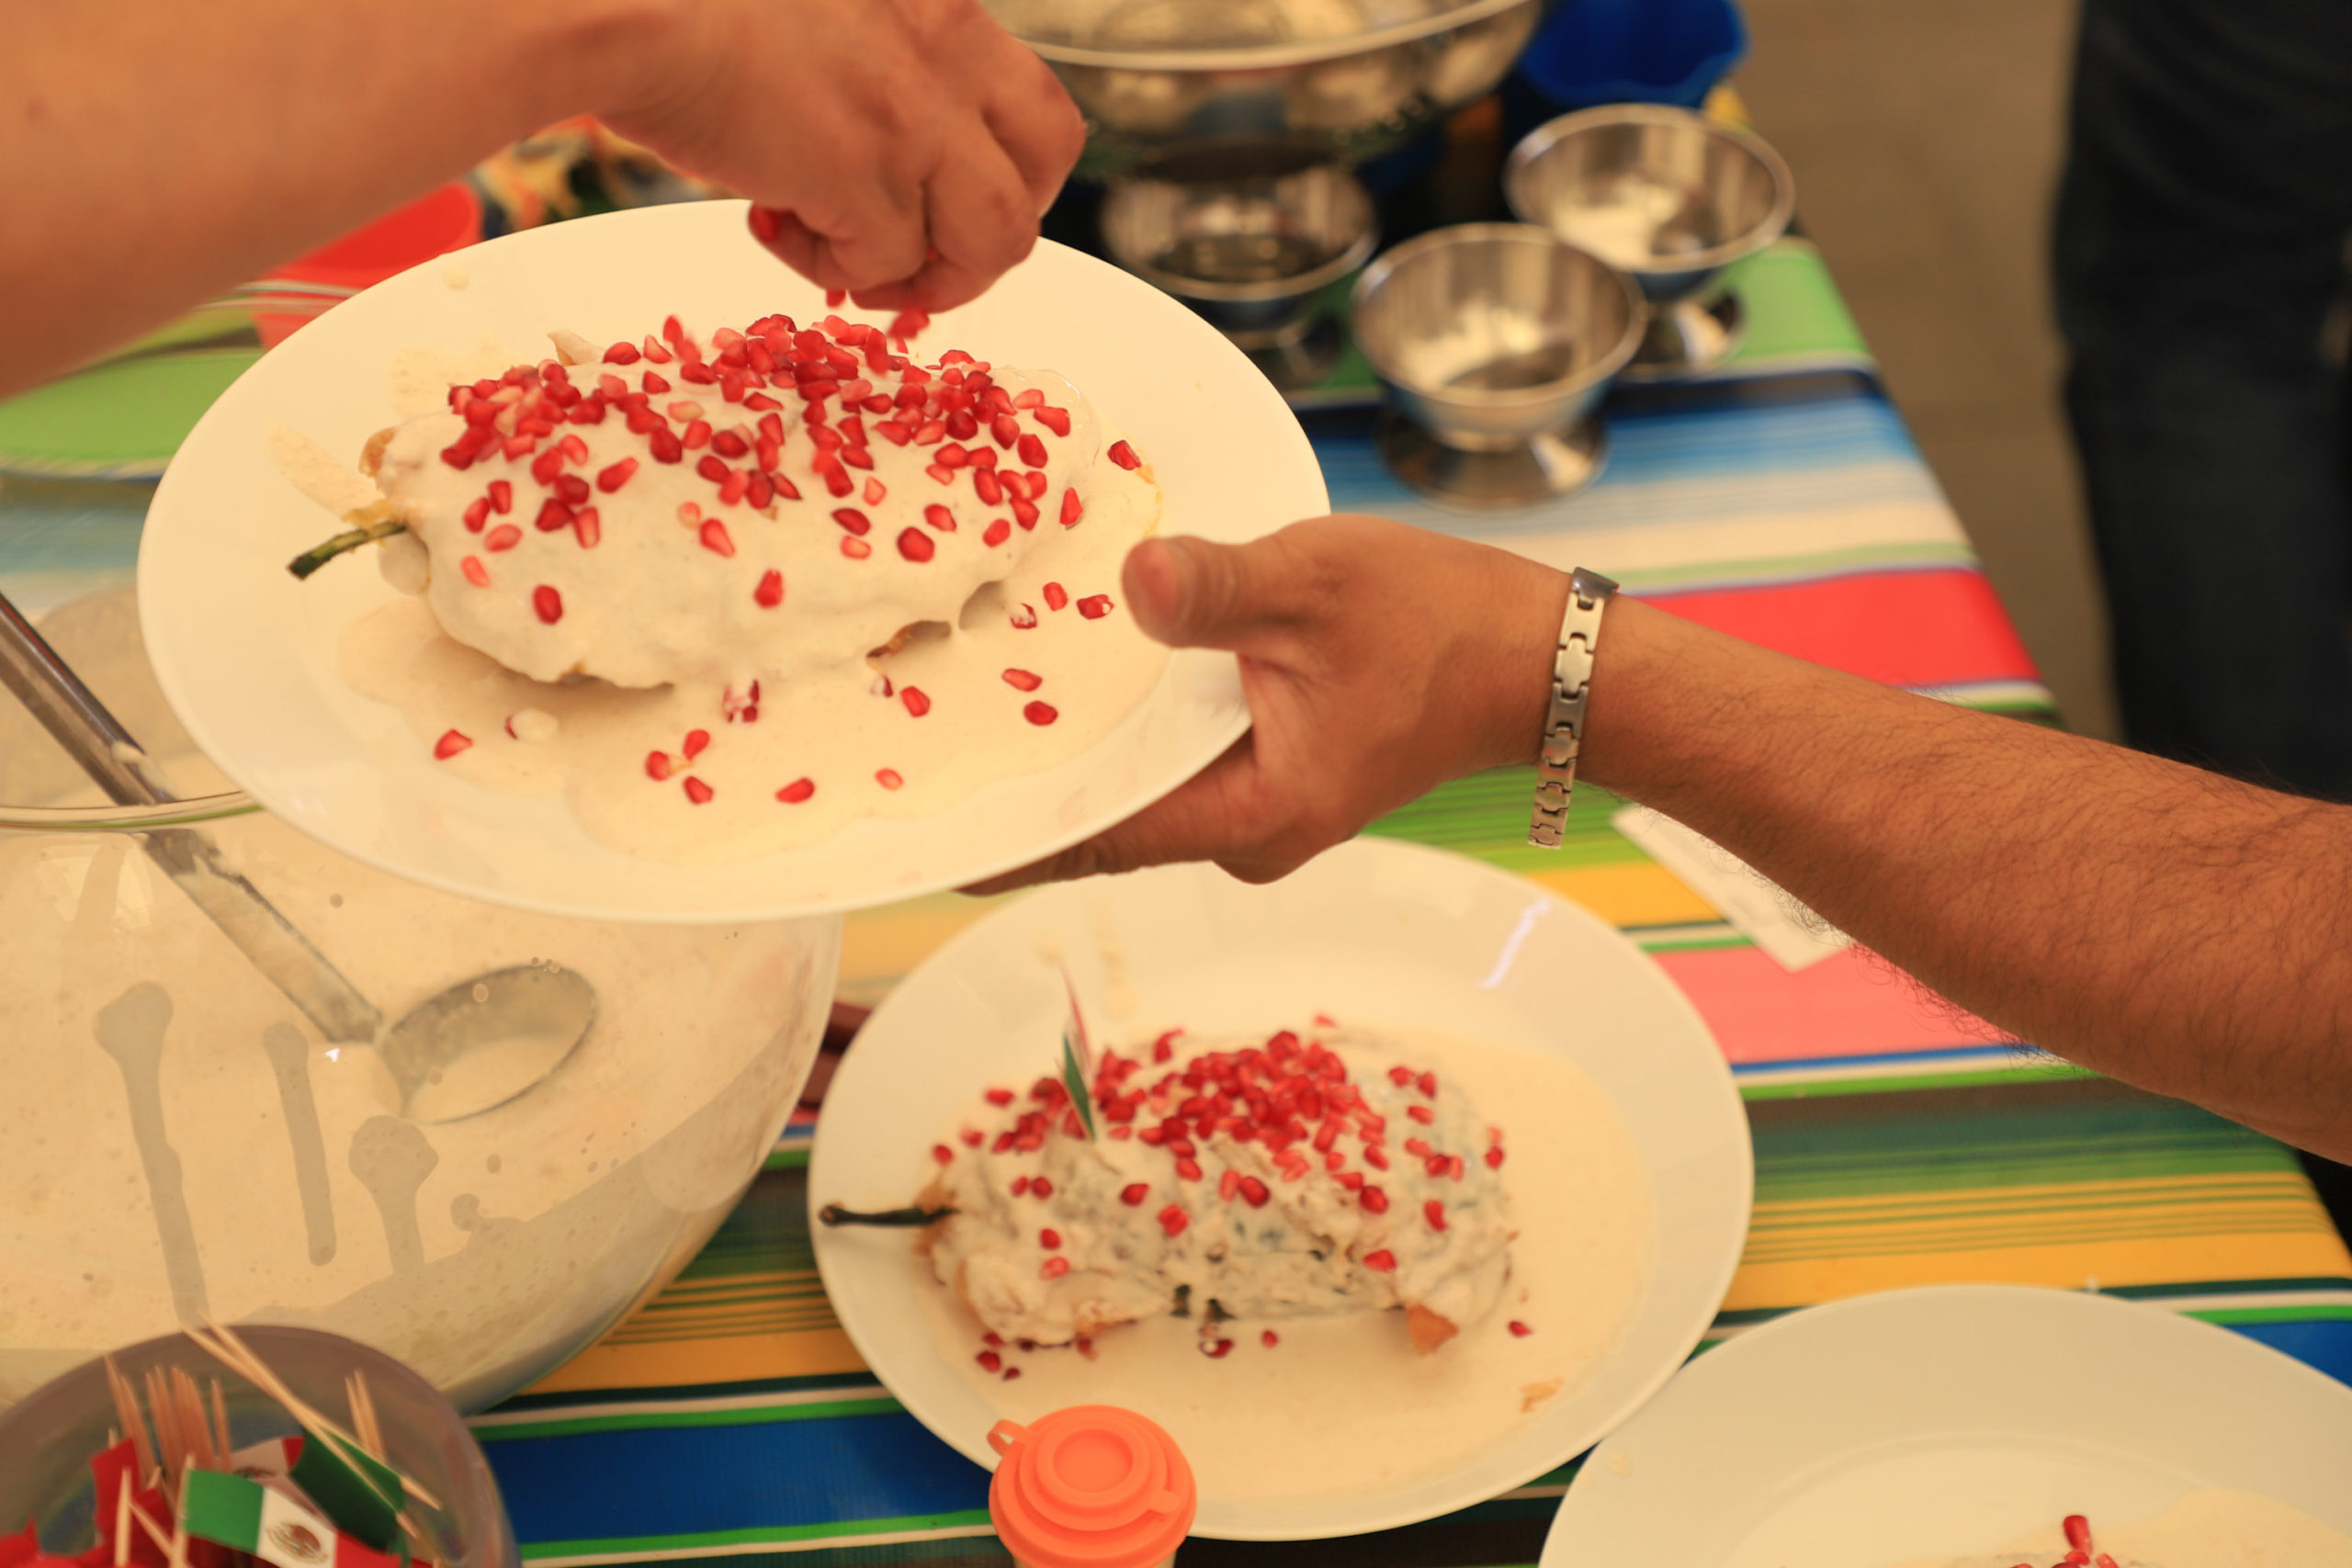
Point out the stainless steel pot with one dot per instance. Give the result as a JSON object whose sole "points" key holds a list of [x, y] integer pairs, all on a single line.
{"points": [[1344, 79]]}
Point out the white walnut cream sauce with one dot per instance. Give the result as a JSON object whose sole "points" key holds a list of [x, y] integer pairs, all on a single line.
{"points": [[749, 590], [1305, 1185]]}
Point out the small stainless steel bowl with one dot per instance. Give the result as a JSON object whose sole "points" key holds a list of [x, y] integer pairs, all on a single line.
{"points": [[1668, 197], [1247, 250], [1495, 342]]}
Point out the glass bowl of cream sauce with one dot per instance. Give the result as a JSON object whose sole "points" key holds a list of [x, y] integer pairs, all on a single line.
{"points": [[178, 1141]]}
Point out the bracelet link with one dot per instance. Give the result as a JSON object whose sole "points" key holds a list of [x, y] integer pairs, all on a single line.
{"points": [[1556, 763]]}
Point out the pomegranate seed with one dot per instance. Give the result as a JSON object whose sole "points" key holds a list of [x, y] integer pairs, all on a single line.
{"points": [[1023, 681], [570, 488], [1032, 452], [857, 549], [1189, 1169], [1072, 508], [962, 426], [999, 1097], [851, 518], [1025, 514], [1134, 1193], [2102, 1561], [1434, 1212], [2078, 1531], [1421, 1113], [712, 469], [1044, 1185], [1023, 617], [1056, 596], [1427, 1083], [1049, 1238], [547, 602], [698, 792], [621, 354], [1417, 1148], [1172, 1220], [939, 517], [1054, 1268], [1495, 1158], [1520, 1330], [856, 457], [1125, 456], [917, 703], [940, 475], [1253, 1192], [477, 513], [1374, 1157], [1053, 418], [931, 431], [1455, 1166], [997, 533], [696, 740], [612, 478], [553, 514], [888, 778], [1373, 1199], [990, 1361], [1381, 1262], [795, 792], [1094, 607], [657, 766], [1006, 429], [770, 593], [941, 1153], [1040, 714], [738, 485], [667, 447], [1227, 1185], [1165, 1047], [659, 356], [715, 539], [1216, 1350], [451, 742], [1011, 1373], [501, 497], [727, 443]]}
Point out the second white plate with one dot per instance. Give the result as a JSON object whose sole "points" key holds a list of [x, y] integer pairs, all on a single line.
{"points": [[1382, 934]]}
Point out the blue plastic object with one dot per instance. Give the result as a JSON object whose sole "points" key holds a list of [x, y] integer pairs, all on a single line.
{"points": [[1624, 51]]}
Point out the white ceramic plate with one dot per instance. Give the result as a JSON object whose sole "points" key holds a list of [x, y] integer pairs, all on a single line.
{"points": [[1376, 932], [246, 654], [1952, 1420]]}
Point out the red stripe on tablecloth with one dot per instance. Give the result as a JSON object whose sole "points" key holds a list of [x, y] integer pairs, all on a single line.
{"points": [[1850, 1005], [1907, 628]]}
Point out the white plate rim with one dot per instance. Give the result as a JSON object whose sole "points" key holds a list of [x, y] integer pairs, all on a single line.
{"points": [[1225, 371], [1684, 1401], [1710, 1287]]}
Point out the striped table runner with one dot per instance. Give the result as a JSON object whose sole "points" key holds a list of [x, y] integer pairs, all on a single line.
{"points": [[1897, 1141]]}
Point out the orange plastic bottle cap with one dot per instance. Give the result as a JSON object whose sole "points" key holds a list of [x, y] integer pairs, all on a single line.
{"points": [[1092, 1486]]}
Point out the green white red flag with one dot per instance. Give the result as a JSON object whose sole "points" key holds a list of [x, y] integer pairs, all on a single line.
{"points": [[243, 1514]]}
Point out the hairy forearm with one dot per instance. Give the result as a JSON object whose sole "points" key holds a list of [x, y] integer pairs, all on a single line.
{"points": [[225, 139], [2170, 928]]}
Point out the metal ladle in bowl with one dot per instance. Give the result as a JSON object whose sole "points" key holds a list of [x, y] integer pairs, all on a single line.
{"points": [[472, 1047]]}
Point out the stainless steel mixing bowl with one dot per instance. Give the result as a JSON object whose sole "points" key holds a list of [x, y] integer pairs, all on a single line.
{"points": [[1251, 254], [1668, 197], [1346, 79], [1495, 342]]}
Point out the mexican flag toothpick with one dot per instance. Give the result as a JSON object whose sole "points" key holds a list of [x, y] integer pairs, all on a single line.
{"points": [[251, 1517]]}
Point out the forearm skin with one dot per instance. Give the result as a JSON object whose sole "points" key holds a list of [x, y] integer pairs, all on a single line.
{"points": [[2168, 927]]}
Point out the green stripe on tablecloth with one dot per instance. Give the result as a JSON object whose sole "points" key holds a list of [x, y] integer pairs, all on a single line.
{"points": [[794, 1159], [1792, 305], [1766, 570], [2316, 1311], [533, 1550], [642, 1420], [1817, 1088]]}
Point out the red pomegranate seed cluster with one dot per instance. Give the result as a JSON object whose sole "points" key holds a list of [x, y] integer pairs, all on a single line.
{"points": [[842, 374]]}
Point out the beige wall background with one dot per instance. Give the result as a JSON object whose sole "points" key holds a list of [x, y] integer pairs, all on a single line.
{"points": [[1925, 136]]}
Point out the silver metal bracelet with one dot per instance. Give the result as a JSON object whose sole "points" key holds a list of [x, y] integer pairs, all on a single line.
{"points": [[1589, 594]]}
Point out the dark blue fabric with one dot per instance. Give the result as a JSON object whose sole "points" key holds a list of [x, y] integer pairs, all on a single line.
{"points": [[2199, 246]]}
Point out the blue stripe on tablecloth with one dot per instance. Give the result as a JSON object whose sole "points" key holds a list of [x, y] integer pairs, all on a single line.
{"points": [[703, 1481]]}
